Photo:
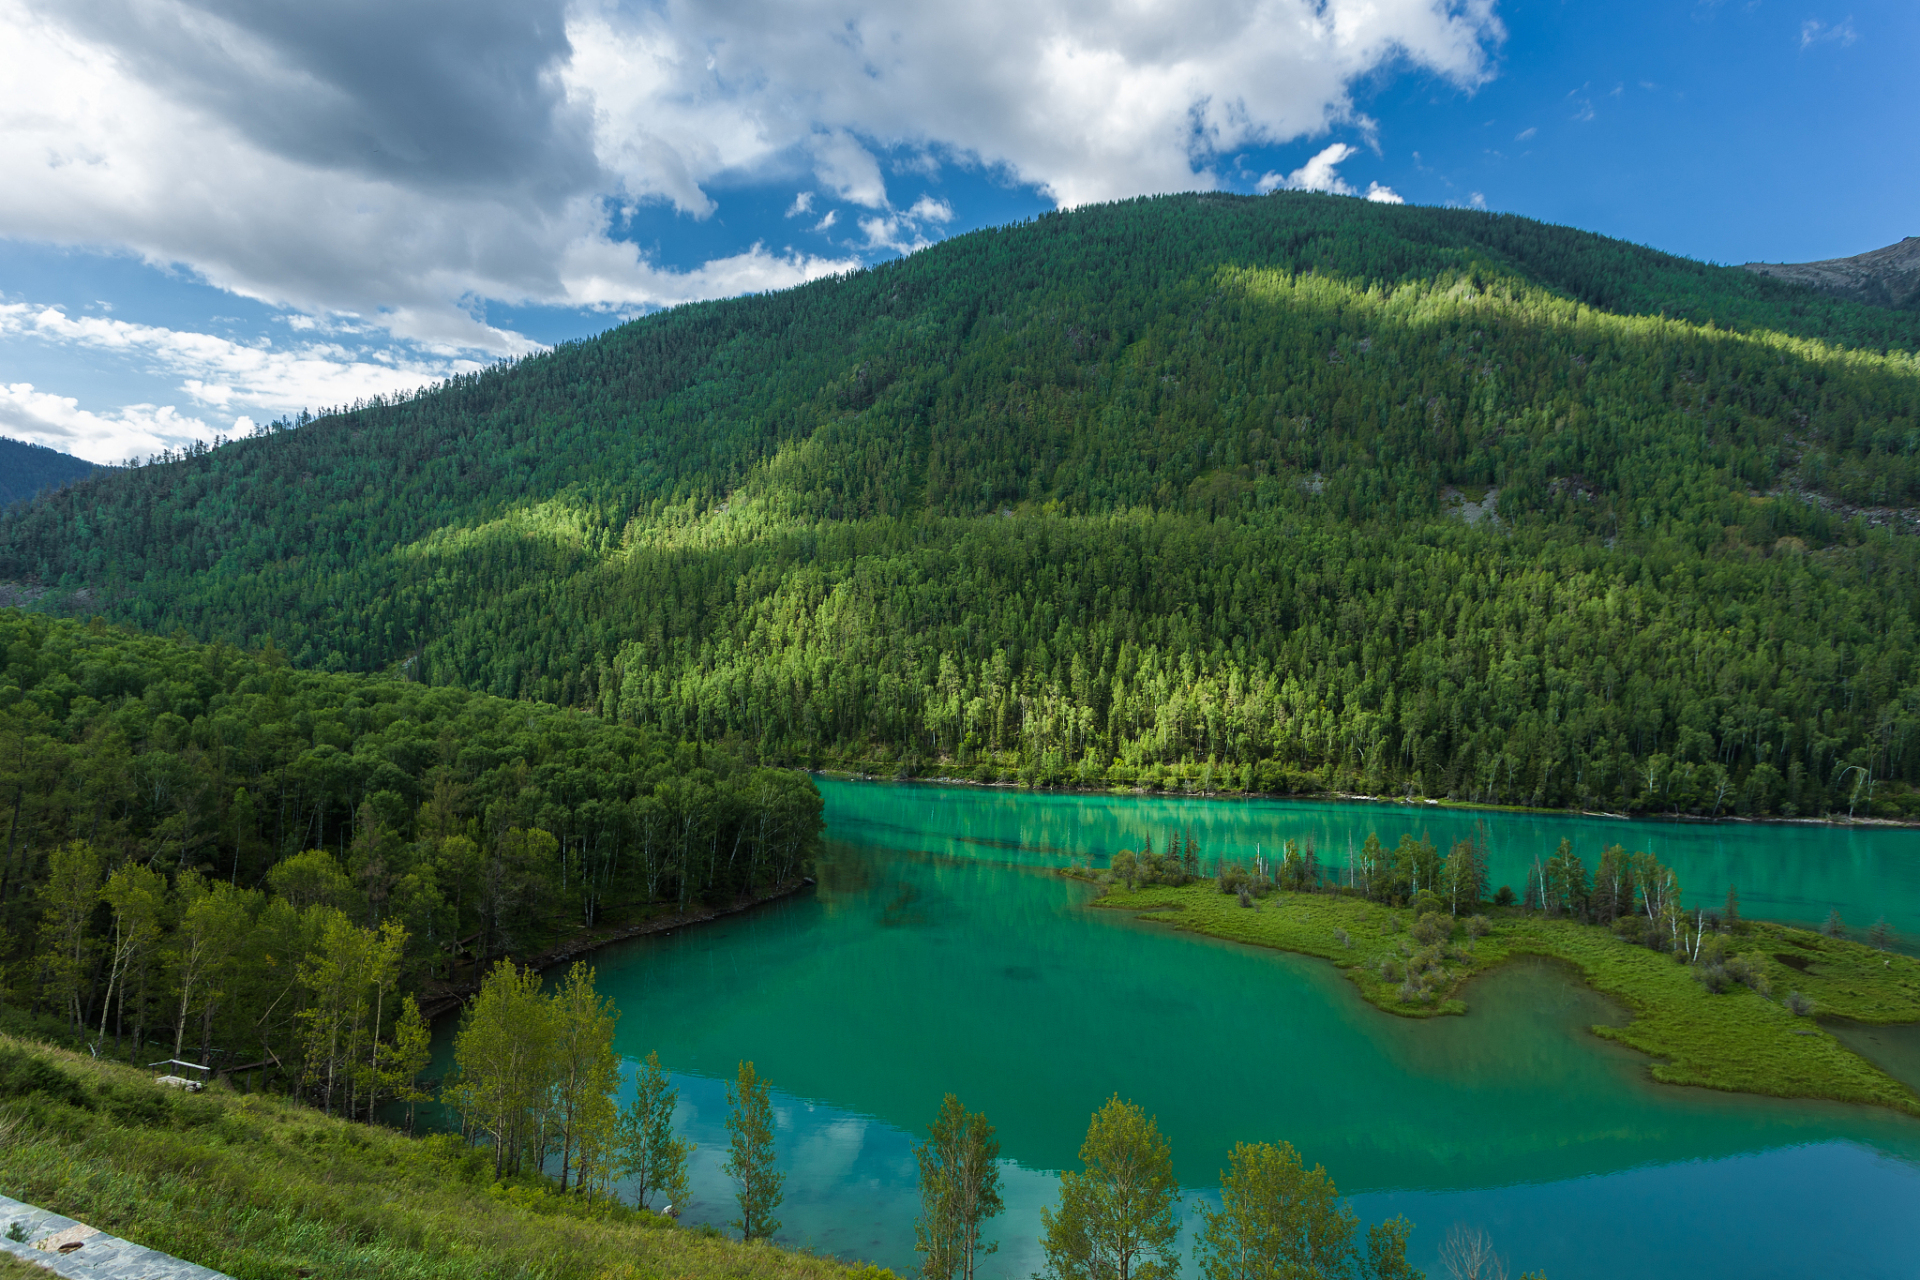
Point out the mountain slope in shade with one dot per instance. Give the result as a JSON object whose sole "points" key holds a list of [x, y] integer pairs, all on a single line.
{"points": [[1888, 277], [29, 469]]}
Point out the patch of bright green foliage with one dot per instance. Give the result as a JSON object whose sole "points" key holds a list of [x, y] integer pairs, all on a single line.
{"points": [[1737, 1040], [261, 1189]]}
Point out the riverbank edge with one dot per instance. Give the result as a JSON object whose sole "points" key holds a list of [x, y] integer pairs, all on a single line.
{"points": [[1351, 797], [443, 998], [263, 1186], [1734, 1042]]}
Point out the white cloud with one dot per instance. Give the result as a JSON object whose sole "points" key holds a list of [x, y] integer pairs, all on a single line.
{"points": [[848, 169], [802, 203], [1322, 173], [390, 162], [59, 422], [833, 216], [1526, 133], [219, 373], [1814, 32], [928, 209]]}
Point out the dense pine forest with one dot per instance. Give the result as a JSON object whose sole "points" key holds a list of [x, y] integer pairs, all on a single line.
{"points": [[210, 848], [1289, 493]]}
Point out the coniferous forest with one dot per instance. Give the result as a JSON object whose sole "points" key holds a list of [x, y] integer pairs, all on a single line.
{"points": [[1284, 494]]}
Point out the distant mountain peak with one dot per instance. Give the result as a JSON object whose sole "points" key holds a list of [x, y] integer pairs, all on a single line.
{"points": [[1888, 277]]}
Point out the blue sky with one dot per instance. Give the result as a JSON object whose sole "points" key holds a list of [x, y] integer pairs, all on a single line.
{"points": [[215, 212]]}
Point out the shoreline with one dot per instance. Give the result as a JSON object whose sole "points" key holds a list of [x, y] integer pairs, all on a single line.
{"points": [[1350, 797], [1736, 1041], [448, 997]]}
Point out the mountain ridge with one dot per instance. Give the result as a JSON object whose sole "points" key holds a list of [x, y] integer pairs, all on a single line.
{"points": [[28, 469], [1885, 277], [1168, 492]]}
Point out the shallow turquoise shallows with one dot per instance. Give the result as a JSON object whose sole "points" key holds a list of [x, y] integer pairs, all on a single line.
{"points": [[939, 954]]}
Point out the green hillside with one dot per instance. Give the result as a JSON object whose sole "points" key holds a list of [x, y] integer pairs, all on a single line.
{"points": [[1285, 493], [26, 469], [193, 834]]}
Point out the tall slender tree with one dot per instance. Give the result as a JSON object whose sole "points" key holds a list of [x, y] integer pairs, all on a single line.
{"points": [[750, 1155], [650, 1154], [959, 1191], [585, 1070]]}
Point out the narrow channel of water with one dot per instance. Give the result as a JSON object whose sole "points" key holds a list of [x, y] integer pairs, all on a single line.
{"points": [[938, 954]]}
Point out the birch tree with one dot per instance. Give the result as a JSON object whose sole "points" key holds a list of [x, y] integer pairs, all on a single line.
{"points": [[650, 1154], [1117, 1219], [959, 1191], [585, 1071], [750, 1155]]}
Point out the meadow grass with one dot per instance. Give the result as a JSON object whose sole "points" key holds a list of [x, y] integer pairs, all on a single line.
{"points": [[263, 1189], [1737, 1040]]}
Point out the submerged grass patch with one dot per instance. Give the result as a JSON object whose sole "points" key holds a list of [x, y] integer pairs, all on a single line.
{"points": [[1737, 1039], [263, 1189]]}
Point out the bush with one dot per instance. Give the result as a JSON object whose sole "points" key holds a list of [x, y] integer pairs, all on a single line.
{"points": [[1713, 976], [1246, 896], [1504, 898], [1431, 929], [1798, 1005], [1344, 938], [1630, 928], [1750, 970], [1234, 878], [1478, 926]]}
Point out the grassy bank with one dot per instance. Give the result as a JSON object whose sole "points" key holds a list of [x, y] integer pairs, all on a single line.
{"points": [[1738, 1039], [264, 1190]]}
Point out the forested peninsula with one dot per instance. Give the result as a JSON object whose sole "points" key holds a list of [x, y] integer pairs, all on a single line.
{"points": [[206, 848], [1208, 492]]}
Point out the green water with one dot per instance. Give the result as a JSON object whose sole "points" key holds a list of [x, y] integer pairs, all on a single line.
{"points": [[938, 954]]}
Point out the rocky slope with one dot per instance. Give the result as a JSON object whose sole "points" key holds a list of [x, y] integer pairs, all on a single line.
{"points": [[1888, 277]]}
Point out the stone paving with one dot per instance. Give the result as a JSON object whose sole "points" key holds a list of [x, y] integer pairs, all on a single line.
{"points": [[80, 1252]]}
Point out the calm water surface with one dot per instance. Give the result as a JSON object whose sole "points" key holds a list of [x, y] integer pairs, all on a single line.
{"points": [[938, 954]]}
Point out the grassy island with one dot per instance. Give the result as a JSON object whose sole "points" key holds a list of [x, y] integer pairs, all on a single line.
{"points": [[264, 1189], [1746, 1037]]}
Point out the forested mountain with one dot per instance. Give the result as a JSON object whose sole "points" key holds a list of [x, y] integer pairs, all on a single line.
{"points": [[27, 469], [1285, 493]]}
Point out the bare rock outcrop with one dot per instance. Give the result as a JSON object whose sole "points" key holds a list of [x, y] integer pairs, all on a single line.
{"points": [[1888, 277]]}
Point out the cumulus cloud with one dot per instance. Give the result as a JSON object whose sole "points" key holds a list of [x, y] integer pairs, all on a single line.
{"points": [[409, 161], [1322, 173], [58, 422], [218, 373]]}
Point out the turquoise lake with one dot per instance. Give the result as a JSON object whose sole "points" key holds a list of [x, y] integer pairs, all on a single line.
{"points": [[938, 953]]}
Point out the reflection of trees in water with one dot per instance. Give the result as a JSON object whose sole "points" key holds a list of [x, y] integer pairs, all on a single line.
{"points": [[843, 870], [905, 908]]}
